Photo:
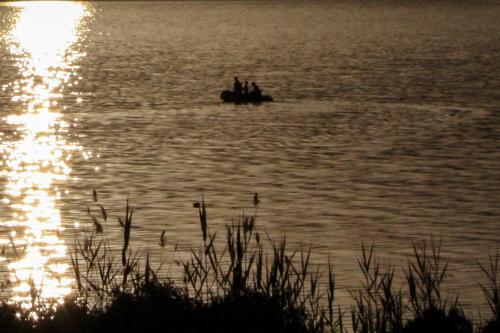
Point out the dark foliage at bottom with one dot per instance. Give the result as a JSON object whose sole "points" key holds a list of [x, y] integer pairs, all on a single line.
{"points": [[438, 321], [160, 307], [493, 326], [253, 312], [154, 307]]}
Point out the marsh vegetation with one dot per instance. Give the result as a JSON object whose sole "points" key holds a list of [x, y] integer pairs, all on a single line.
{"points": [[252, 283]]}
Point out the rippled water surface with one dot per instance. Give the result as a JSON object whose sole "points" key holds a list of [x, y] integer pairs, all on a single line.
{"points": [[385, 127]]}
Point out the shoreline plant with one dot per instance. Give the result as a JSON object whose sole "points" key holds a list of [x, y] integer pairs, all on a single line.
{"points": [[251, 283]]}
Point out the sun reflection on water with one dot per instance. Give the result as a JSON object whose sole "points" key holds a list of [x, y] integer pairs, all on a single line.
{"points": [[44, 43]]}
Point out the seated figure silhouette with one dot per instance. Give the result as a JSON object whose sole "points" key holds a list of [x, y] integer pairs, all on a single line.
{"points": [[256, 92], [237, 86], [245, 88]]}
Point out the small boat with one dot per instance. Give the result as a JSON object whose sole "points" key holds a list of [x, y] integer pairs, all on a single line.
{"points": [[229, 96]]}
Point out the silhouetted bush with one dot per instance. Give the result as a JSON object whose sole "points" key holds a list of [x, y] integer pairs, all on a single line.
{"points": [[10, 323], [160, 307], [492, 326], [68, 317], [437, 321], [153, 307], [253, 312]]}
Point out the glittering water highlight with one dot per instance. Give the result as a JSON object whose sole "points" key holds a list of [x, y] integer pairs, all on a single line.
{"points": [[36, 151]]}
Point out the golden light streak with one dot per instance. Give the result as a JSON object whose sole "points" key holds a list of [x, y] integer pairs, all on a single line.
{"points": [[44, 43]]}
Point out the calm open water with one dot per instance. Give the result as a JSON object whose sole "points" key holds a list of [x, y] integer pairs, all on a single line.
{"points": [[385, 129]]}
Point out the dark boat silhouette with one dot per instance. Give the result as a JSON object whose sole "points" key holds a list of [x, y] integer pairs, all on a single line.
{"points": [[228, 96]]}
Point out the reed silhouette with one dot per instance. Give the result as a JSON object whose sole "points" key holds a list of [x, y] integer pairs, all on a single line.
{"points": [[249, 284]]}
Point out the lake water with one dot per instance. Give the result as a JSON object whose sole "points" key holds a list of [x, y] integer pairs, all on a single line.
{"points": [[385, 128]]}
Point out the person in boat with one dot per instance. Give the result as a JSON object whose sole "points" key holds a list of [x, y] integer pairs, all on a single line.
{"points": [[237, 86], [256, 92], [245, 88]]}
